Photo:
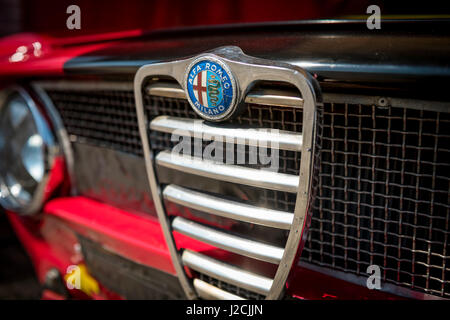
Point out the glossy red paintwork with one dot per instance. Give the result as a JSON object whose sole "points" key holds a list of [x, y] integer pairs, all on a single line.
{"points": [[52, 243], [101, 20], [50, 295], [51, 239], [42, 255], [135, 237], [20, 58], [311, 285]]}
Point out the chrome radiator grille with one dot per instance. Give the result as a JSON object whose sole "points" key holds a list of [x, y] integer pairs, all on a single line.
{"points": [[158, 110], [383, 195], [219, 194]]}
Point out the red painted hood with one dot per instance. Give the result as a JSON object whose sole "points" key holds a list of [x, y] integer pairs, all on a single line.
{"points": [[30, 54]]}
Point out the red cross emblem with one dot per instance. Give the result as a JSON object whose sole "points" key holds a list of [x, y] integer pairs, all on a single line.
{"points": [[199, 88]]}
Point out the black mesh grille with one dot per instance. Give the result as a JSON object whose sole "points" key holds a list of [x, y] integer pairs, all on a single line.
{"points": [[243, 293], [281, 118], [105, 118], [383, 195]]}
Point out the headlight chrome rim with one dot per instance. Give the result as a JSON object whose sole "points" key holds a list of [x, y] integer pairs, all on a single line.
{"points": [[50, 152]]}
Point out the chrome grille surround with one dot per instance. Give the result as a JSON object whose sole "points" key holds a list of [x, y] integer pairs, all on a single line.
{"points": [[247, 71]]}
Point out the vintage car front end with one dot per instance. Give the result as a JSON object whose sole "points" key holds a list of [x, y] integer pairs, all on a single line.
{"points": [[303, 160]]}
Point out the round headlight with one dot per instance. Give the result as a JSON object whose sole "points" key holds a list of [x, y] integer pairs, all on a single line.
{"points": [[27, 150]]}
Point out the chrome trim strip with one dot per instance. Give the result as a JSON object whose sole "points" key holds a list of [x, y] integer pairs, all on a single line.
{"points": [[226, 272], [242, 246], [84, 85], [227, 208], [285, 98], [271, 138], [230, 173], [269, 97], [274, 97], [209, 292], [166, 90]]}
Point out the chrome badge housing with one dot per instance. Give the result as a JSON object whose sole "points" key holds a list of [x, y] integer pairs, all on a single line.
{"points": [[211, 88]]}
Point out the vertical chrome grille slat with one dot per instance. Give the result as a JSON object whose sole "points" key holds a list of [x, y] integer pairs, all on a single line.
{"points": [[210, 292], [228, 209], [220, 239], [271, 138], [231, 173], [226, 272]]}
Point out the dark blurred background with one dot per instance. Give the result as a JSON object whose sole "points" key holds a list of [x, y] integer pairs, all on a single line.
{"points": [[17, 277], [49, 16]]}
